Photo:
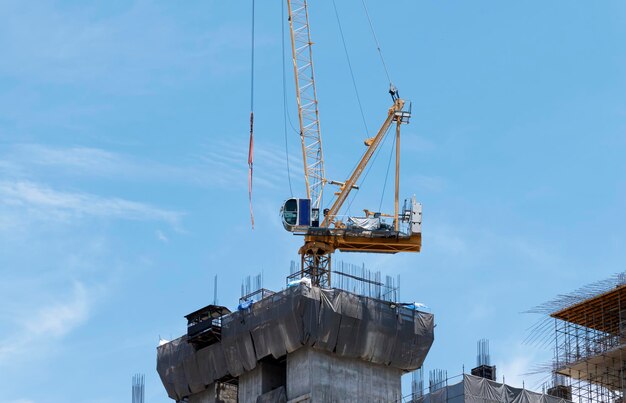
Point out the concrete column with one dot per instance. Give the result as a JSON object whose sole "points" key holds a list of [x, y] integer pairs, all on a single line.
{"points": [[317, 376]]}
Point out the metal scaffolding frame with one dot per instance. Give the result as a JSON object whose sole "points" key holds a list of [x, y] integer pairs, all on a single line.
{"points": [[587, 329]]}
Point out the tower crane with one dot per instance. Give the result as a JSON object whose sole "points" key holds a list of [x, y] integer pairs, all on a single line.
{"points": [[301, 216]]}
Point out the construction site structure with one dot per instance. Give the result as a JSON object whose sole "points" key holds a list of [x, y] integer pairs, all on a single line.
{"points": [[324, 230], [479, 387], [483, 368], [588, 332], [468, 388], [302, 344]]}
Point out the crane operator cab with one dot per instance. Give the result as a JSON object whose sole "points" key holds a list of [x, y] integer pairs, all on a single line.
{"points": [[298, 216]]}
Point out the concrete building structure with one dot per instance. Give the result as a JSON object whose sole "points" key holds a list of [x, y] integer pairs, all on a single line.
{"points": [[303, 344]]}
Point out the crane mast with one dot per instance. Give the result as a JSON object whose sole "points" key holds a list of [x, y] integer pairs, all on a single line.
{"points": [[306, 95]]}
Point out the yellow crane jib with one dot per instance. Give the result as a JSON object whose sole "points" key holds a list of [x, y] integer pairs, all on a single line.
{"points": [[362, 234]]}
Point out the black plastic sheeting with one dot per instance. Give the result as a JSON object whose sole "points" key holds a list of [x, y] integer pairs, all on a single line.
{"points": [[337, 321], [473, 389]]}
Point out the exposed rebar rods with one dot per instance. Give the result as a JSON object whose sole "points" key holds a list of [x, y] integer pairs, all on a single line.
{"points": [[138, 388]]}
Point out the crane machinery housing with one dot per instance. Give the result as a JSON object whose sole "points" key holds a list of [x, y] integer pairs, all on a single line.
{"points": [[327, 233]]}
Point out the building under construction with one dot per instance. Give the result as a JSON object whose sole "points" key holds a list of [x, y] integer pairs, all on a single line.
{"points": [[480, 386], [588, 332], [303, 344], [468, 388]]}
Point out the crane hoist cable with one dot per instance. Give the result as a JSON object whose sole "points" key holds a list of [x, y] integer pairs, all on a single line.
{"points": [[285, 110], [345, 49], [362, 180], [367, 171], [380, 52], [358, 98], [382, 196], [251, 144]]}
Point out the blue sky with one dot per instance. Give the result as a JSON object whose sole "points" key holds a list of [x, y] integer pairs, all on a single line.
{"points": [[123, 190]]}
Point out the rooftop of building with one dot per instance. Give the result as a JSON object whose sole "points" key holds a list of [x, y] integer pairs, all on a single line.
{"points": [[334, 321]]}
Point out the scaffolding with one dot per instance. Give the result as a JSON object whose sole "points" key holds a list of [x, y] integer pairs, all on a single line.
{"points": [[588, 332]]}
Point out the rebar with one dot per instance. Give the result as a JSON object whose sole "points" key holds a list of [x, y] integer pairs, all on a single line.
{"points": [[138, 388]]}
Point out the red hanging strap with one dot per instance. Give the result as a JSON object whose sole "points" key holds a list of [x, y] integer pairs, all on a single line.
{"points": [[250, 165], [251, 146]]}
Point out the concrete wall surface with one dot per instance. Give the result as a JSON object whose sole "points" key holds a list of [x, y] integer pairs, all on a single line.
{"points": [[322, 377], [216, 393], [266, 377]]}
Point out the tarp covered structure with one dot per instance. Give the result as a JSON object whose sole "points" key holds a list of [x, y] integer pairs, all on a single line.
{"points": [[473, 389], [333, 320]]}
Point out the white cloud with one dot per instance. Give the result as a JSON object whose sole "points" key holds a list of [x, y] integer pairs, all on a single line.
{"points": [[514, 369], [47, 325], [34, 196], [219, 164], [28, 160], [230, 161], [161, 236], [519, 366], [92, 159], [77, 45], [60, 318]]}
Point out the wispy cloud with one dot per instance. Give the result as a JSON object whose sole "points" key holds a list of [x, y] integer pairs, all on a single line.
{"points": [[229, 160], [32, 160], [519, 367], [93, 160], [218, 164], [48, 324], [161, 236], [34, 196], [80, 46], [61, 317]]}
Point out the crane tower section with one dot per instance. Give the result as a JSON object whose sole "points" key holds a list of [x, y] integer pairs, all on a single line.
{"points": [[306, 95]]}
